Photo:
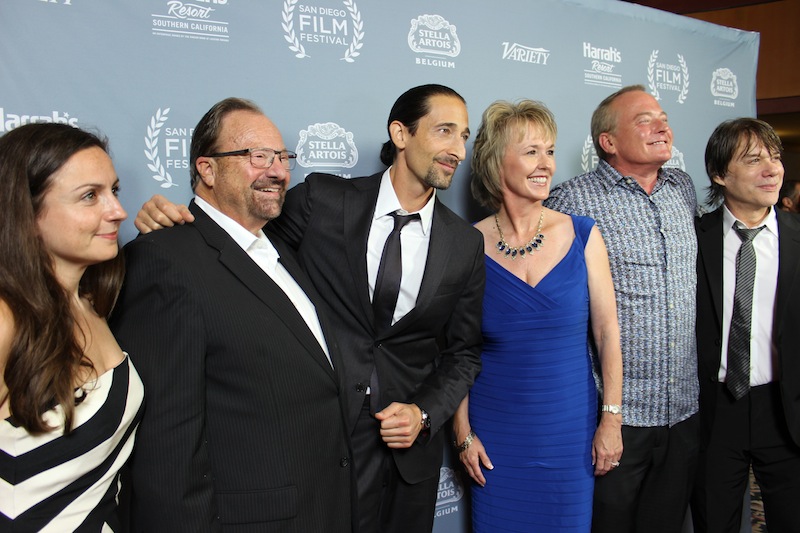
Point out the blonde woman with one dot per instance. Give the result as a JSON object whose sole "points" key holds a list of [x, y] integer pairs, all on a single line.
{"points": [[528, 432]]}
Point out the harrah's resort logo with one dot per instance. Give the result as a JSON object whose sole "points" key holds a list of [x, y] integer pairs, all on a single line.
{"points": [[337, 28], [199, 19], [525, 54], [602, 62], [326, 145], [9, 121], [669, 77], [589, 157], [450, 492], [724, 88], [434, 40], [176, 143]]}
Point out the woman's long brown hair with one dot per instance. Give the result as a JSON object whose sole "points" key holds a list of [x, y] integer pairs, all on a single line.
{"points": [[46, 357]]}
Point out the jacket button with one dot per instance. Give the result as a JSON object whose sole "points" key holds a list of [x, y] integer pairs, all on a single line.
{"points": [[345, 462], [360, 387]]}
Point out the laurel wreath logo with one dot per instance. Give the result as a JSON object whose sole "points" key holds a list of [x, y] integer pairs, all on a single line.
{"points": [[358, 32], [300, 52], [151, 149], [288, 27], [586, 153], [685, 89], [650, 71]]}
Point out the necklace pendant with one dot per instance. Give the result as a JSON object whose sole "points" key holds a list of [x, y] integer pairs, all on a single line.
{"points": [[512, 252]]}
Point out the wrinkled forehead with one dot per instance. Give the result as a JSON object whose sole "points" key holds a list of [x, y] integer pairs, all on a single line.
{"points": [[447, 109], [632, 104], [248, 129]]}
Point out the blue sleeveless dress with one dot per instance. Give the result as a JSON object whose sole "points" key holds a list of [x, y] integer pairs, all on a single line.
{"points": [[534, 404]]}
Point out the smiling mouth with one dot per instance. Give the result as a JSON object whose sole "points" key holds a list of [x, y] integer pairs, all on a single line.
{"points": [[451, 163], [538, 181], [268, 190]]}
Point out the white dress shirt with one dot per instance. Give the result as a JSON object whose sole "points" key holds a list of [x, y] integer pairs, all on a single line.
{"points": [[414, 240], [264, 254], [762, 360]]}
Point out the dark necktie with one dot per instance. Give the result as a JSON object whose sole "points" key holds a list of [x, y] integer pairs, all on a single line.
{"points": [[390, 271], [387, 289], [738, 373]]}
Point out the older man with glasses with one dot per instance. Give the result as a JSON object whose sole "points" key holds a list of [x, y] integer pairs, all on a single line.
{"points": [[243, 429]]}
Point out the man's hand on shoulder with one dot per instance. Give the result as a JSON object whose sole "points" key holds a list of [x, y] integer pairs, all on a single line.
{"points": [[158, 213]]}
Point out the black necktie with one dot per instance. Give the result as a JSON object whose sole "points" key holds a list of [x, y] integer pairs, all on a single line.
{"points": [[390, 271], [738, 373]]}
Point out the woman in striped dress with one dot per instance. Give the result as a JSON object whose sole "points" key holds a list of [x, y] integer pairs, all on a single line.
{"points": [[70, 400]]}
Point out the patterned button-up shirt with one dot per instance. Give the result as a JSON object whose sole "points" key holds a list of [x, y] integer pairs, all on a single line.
{"points": [[652, 249]]}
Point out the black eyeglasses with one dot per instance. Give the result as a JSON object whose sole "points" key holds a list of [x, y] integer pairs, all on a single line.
{"points": [[263, 157]]}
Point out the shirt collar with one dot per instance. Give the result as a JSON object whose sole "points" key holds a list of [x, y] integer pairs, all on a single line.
{"points": [[614, 176], [388, 203], [246, 240], [770, 221]]}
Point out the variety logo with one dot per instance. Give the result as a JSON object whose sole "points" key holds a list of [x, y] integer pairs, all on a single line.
{"points": [[176, 143], [434, 38], [191, 20], [451, 490], [9, 121], [589, 157], [63, 2], [326, 145], [602, 62], [724, 87], [668, 77], [525, 54], [324, 26]]}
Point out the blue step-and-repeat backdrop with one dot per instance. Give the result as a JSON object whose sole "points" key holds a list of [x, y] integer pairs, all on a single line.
{"points": [[143, 72]]}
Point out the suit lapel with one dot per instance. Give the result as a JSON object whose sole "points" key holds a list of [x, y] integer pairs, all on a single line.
{"points": [[358, 210], [259, 283], [439, 251], [788, 266], [709, 241]]}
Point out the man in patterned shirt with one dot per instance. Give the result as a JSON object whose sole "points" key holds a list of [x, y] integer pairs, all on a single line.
{"points": [[646, 215]]}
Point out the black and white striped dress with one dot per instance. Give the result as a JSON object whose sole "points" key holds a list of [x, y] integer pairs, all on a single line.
{"points": [[58, 483]]}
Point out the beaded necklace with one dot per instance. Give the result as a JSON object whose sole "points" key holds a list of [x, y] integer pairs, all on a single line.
{"points": [[512, 252]]}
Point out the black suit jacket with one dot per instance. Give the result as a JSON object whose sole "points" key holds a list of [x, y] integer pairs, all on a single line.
{"points": [[243, 429], [431, 356], [786, 321]]}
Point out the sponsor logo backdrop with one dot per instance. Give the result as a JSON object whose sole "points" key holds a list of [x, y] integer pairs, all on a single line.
{"points": [[327, 72]]}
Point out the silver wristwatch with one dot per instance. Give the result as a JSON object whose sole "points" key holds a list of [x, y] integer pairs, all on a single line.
{"points": [[426, 420], [613, 409]]}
